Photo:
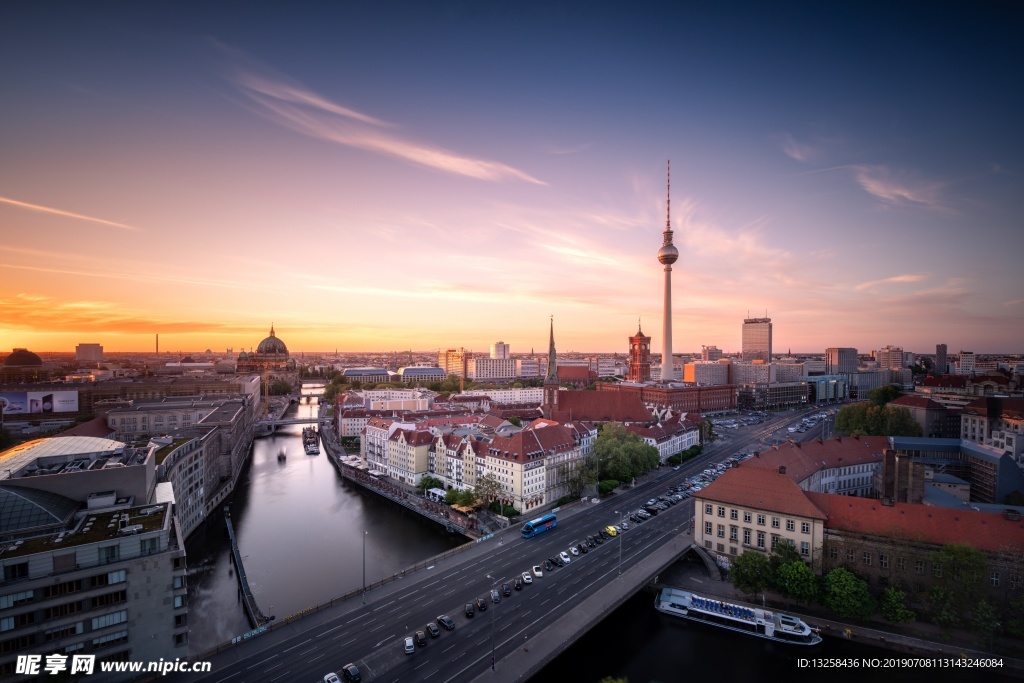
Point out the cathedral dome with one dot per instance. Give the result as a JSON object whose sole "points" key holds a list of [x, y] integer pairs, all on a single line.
{"points": [[22, 358], [272, 345]]}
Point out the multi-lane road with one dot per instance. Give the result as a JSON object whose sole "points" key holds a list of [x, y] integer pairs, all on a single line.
{"points": [[372, 635]]}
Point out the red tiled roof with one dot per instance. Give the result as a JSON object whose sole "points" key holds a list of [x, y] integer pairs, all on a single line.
{"points": [[573, 372], [986, 531], [532, 442], [600, 406], [760, 489], [991, 406], [803, 460], [916, 402]]}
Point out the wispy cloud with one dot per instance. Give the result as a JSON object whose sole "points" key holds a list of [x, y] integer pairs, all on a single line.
{"points": [[799, 151], [896, 279], [899, 188], [66, 214], [309, 113]]}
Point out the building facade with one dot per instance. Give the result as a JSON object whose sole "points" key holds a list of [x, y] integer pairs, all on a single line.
{"points": [[757, 339], [639, 357], [840, 360]]}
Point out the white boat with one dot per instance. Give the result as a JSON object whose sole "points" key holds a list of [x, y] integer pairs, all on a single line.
{"points": [[311, 441], [754, 621]]}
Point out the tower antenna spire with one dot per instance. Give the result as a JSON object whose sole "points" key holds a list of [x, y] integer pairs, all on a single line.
{"points": [[668, 196]]}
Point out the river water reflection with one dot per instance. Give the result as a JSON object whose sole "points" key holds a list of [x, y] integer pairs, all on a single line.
{"points": [[300, 532]]}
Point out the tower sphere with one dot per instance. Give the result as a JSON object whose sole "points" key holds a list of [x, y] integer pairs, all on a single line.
{"points": [[668, 254]]}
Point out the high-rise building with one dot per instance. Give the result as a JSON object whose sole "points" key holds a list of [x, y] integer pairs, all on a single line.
{"points": [[500, 350], [454, 361], [757, 339], [89, 353], [940, 359], [840, 360], [710, 353], [890, 358], [967, 363], [667, 255], [639, 357]]}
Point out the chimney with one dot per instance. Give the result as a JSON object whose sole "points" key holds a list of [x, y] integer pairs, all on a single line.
{"points": [[782, 469]]}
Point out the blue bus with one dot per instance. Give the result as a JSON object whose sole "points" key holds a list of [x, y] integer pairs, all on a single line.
{"points": [[538, 526]]}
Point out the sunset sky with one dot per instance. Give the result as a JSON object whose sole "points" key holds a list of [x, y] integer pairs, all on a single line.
{"points": [[385, 176]]}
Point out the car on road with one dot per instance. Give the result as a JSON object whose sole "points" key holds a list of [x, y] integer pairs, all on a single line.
{"points": [[332, 678], [421, 638], [506, 589], [410, 647], [481, 605], [549, 565], [625, 526], [536, 572], [591, 542], [611, 531], [469, 610], [433, 631], [351, 672], [518, 583], [495, 596], [557, 561], [564, 557], [583, 548], [575, 551], [447, 622], [652, 501]]}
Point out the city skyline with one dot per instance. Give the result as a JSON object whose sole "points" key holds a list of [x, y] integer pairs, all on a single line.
{"points": [[398, 176]]}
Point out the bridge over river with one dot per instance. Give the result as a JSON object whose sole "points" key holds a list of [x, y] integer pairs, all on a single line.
{"points": [[522, 633]]}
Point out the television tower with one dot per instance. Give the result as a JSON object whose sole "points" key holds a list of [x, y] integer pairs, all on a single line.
{"points": [[667, 255]]}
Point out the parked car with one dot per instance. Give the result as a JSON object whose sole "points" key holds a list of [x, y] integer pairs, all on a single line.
{"points": [[469, 610], [506, 589], [583, 548], [518, 583], [421, 638], [495, 596], [433, 631], [549, 565], [447, 622], [598, 539], [575, 551], [564, 556], [410, 647], [536, 572], [351, 672], [481, 605], [332, 678]]}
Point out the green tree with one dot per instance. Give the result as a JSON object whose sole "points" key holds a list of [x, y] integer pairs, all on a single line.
{"points": [[783, 553], [847, 595], [452, 496], [623, 455], [579, 476], [894, 606], [468, 498], [962, 571], [884, 394], [874, 420], [986, 622], [751, 572], [515, 420], [942, 608], [488, 489], [796, 580]]}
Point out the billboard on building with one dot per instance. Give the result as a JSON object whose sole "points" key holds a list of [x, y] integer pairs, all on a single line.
{"points": [[41, 402]]}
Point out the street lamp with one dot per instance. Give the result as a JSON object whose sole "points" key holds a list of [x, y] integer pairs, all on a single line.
{"points": [[494, 608], [364, 566], [621, 515]]}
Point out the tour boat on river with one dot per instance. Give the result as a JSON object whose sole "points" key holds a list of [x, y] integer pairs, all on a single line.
{"points": [[311, 441], [758, 622]]}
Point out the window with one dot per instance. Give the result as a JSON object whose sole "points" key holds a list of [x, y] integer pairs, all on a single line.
{"points": [[179, 582], [760, 540], [849, 555], [775, 522], [149, 546], [109, 619], [708, 509], [919, 567], [734, 514], [937, 570], [109, 553], [707, 528], [901, 564], [733, 532], [721, 511], [179, 601], [805, 527], [775, 541], [15, 599], [732, 550], [805, 548], [790, 525], [721, 548], [760, 520], [13, 572], [833, 553], [721, 531], [866, 559], [883, 560], [995, 578], [746, 537], [746, 517]]}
